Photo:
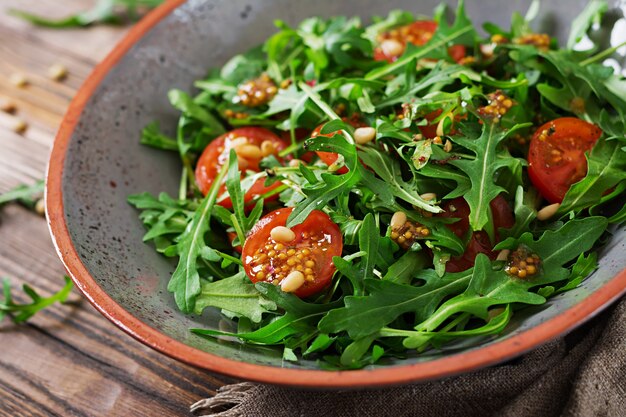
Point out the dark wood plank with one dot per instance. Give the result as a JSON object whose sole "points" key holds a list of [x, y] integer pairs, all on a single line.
{"points": [[68, 360]]}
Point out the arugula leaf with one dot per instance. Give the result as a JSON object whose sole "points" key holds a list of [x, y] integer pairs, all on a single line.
{"points": [[152, 136], [318, 195], [365, 315], [388, 169], [185, 281], [189, 108], [235, 294], [299, 318], [421, 339], [590, 14], [488, 287], [19, 313], [104, 11], [164, 217], [482, 170], [606, 167], [24, 194]]}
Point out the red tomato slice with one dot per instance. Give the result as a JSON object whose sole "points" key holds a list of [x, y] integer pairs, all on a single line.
{"points": [[556, 157], [317, 241], [418, 33], [479, 241], [215, 155]]}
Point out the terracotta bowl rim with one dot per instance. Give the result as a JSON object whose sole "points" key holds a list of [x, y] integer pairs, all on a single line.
{"points": [[494, 353]]}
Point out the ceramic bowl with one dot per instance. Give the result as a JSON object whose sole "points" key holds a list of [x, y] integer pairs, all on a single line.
{"points": [[97, 162]]}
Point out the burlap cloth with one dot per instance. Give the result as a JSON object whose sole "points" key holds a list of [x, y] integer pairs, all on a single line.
{"points": [[583, 374]]}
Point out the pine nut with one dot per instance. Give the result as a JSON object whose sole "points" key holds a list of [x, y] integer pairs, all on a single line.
{"points": [[548, 211], [238, 141], [447, 146], [440, 127], [7, 105], [19, 126], [292, 282], [267, 148], [391, 47], [364, 135], [249, 151], [40, 207], [57, 72], [282, 234], [398, 220], [503, 255], [295, 163], [18, 79], [428, 196]]}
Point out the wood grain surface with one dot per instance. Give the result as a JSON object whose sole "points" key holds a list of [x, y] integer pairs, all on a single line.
{"points": [[68, 360]]}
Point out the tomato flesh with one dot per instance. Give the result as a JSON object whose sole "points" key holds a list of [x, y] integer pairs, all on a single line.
{"points": [[418, 33], [317, 240], [479, 242], [215, 155], [556, 157]]}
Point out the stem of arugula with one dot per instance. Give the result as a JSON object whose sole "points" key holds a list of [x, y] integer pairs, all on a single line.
{"points": [[601, 55], [317, 99]]}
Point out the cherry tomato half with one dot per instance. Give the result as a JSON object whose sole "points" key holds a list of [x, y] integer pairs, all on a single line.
{"points": [[317, 240], [479, 241], [418, 33], [556, 157], [215, 155]]}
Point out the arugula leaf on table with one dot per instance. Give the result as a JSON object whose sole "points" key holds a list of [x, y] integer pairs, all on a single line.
{"points": [[27, 195], [482, 170], [105, 11], [236, 295], [19, 313]]}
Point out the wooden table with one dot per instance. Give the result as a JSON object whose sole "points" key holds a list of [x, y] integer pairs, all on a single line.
{"points": [[67, 360]]}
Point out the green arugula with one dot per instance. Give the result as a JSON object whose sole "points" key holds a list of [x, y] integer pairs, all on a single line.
{"points": [[606, 167], [27, 195], [236, 295], [104, 12], [482, 170], [20, 312], [190, 246], [385, 299]]}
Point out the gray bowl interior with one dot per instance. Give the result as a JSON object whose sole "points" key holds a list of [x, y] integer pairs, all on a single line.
{"points": [[105, 162]]}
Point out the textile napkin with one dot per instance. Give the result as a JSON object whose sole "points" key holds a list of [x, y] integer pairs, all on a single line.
{"points": [[580, 375]]}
